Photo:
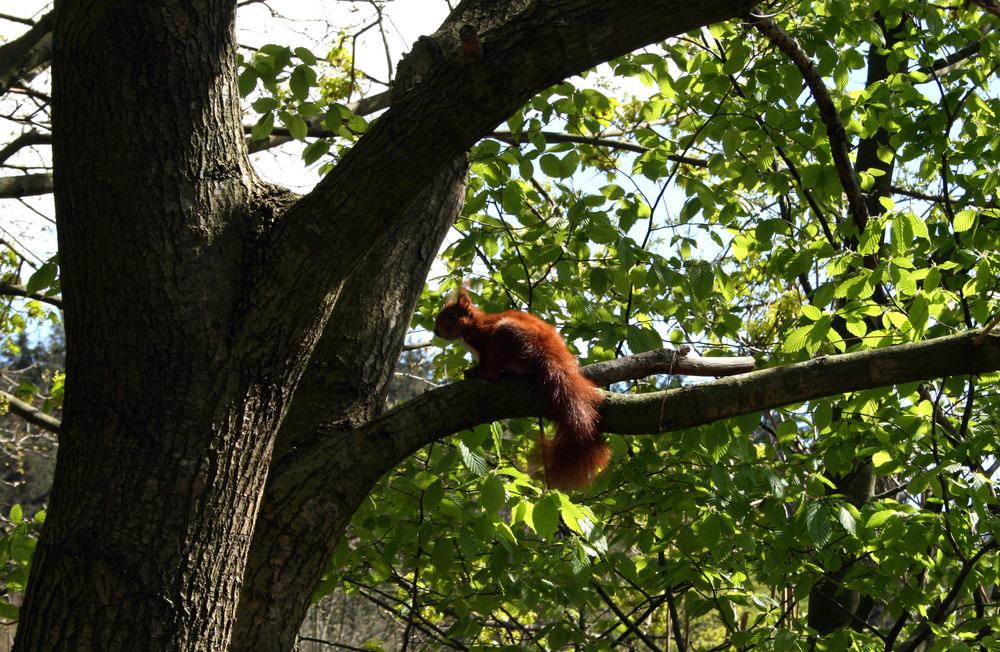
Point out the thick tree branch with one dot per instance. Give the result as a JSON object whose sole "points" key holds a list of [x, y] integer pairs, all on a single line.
{"points": [[989, 6], [25, 185], [956, 59], [665, 361], [477, 12], [608, 139], [451, 107], [825, 376], [30, 413], [17, 19], [24, 140], [871, 148], [436, 413], [344, 385], [558, 137], [11, 290], [27, 52]]}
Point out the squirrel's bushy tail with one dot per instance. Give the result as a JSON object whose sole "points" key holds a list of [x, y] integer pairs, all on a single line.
{"points": [[578, 452]]}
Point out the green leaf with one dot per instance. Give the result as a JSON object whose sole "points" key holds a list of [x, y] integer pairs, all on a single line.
{"points": [[575, 517], [356, 124], [247, 81], [424, 479], [786, 432], [883, 462], [551, 165], [580, 561], [964, 220], [812, 312], [513, 198], [797, 339], [43, 278], [818, 524], [9, 612], [309, 109], [297, 127], [443, 556], [336, 116], [265, 104], [869, 241], [741, 246], [856, 326], [776, 483], [490, 172], [545, 516], [642, 338], [22, 550], [301, 80], [917, 226], [880, 518], [847, 519], [702, 279], [493, 495], [474, 462], [16, 515], [306, 56], [497, 433], [314, 151], [263, 128], [558, 636]]}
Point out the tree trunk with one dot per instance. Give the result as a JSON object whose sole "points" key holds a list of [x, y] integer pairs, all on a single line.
{"points": [[167, 429], [308, 502]]}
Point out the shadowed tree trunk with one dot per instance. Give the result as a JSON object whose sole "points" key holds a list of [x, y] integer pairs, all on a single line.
{"points": [[307, 500]]}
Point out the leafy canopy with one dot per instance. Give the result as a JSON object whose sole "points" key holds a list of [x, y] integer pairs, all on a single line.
{"points": [[722, 224]]}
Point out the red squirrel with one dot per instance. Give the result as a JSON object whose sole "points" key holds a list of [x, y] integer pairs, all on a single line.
{"points": [[521, 343]]}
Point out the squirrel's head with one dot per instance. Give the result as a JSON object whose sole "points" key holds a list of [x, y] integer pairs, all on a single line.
{"points": [[455, 317]]}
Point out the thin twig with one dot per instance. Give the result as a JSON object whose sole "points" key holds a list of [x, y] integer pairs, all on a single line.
{"points": [[625, 620], [924, 629], [16, 19], [986, 331]]}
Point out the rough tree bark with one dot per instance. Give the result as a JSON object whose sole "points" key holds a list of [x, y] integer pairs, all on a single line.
{"points": [[194, 296], [164, 416], [309, 500]]}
